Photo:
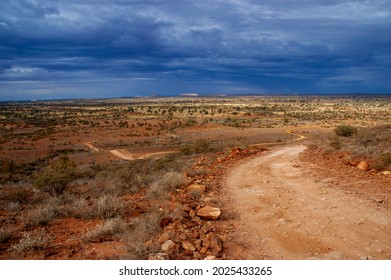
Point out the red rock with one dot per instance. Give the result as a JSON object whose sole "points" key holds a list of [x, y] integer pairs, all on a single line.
{"points": [[192, 214], [207, 212], [206, 242], [188, 253], [164, 237], [165, 221], [188, 246], [158, 256], [215, 242], [203, 250], [168, 246], [363, 166]]}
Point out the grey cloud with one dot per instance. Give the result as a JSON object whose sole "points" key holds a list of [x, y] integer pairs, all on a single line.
{"points": [[251, 43]]}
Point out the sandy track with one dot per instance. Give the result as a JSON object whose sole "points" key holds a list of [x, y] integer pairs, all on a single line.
{"points": [[124, 154], [283, 213], [92, 147], [127, 155]]}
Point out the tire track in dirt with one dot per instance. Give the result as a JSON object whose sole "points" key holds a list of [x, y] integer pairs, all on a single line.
{"points": [[283, 213]]}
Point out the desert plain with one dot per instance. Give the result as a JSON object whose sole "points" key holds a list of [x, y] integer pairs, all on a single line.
{"points": [[196, 177]]}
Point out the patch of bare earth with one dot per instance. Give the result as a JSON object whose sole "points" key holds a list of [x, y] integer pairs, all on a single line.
{"points": [[284, 208]]}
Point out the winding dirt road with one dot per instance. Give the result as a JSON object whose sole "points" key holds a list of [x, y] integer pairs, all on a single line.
{"points": [[127, 155], [284, 213]]}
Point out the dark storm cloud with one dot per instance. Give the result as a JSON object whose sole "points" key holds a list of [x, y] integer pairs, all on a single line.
{"points": [[55, 47]]}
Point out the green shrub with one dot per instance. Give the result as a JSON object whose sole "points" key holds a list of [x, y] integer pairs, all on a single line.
{"points": [[56, 176], [345, 130]]}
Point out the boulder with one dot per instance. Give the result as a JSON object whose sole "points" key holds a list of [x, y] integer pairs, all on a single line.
{"points": [[208, 212], [168, 246], [386, 172], [363, 166]]}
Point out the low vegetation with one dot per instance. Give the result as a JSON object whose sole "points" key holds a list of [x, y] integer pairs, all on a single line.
{"points": [[345, 130], [111, 228], [51, 181], [36, 240], [56, 176], [370, 144], [168, 182]]}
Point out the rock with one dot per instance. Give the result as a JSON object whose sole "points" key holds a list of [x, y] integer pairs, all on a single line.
{"points": [[194, 235], [165, 221], [182, 236], [206, 242], [363, 166], [192, 214], [164, 237], [386, 172], [208, 212], [215, 243], [197, 188], [203, 250], [188, 253], [377, 200], [197, 256], [158, 257], [188, 246], [209, 258], [168, 246]]}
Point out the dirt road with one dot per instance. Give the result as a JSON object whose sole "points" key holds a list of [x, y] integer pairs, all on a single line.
{"points": [[127, 155], [284, 213]]}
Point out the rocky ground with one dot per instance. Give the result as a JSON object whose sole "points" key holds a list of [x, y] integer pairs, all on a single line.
{"points": [[282, 202], [286, 203]]}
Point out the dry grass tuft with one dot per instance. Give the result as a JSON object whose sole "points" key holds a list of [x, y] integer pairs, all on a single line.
{"points": [[41, 215], [111, 227], [168, 182], [107, 207], [78, 208], [36, 240], [141, 231]]}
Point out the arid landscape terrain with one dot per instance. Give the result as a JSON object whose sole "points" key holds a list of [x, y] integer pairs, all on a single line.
{"points": [[213, 177]]}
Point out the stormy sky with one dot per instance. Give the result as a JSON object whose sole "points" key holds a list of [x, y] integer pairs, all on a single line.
{"points": [[107, 48]]}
